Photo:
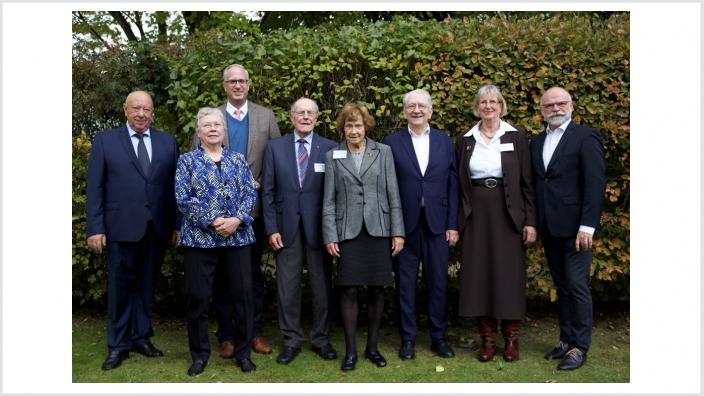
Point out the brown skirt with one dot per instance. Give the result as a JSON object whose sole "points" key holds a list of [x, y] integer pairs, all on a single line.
{"points": [[493, 272]]}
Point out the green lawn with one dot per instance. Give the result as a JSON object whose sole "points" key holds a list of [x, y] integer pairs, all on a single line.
{"points": [[608, 360]]}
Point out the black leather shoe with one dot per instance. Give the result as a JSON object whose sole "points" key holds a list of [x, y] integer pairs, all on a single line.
{"points": [[114, 359], [375, 357], [147, 349], [407, 350], [348, 363], [442, 349], [574, 359], [558, 352], [246, 365], [197, 367], [326, 352], [287, 355]]}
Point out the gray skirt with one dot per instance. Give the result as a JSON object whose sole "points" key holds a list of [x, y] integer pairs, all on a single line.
{"points": [[365, 261]]}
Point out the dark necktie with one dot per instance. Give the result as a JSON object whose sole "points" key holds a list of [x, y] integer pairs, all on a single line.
{"points": [[142, 155], [302, 159]]}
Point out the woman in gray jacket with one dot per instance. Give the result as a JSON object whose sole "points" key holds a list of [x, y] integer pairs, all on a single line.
{"points": [[362, 224]]}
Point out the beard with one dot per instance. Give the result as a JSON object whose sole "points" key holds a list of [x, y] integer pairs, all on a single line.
{"points": [[557, 119]]}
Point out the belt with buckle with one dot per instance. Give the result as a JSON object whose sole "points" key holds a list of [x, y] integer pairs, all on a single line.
{"points": [[489, 182]]}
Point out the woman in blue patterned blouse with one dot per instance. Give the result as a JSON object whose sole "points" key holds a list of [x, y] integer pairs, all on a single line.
{"points": [[215, 192]]}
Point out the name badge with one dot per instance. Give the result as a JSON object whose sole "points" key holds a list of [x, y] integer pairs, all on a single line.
{"points": [[339, 154], [506, 147], [319, 167]]}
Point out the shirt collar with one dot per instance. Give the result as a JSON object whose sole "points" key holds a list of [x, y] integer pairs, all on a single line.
{"points": [[231, 109], [503, 128], [132, 132], [561, 128], [426, 131], [308, 139]]}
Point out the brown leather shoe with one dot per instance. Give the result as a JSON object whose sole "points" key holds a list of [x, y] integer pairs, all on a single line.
{"points": [[227, 349], [510, 330], [487, 332], [260, 345]]}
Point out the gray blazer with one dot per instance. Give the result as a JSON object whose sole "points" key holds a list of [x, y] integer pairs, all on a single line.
{"points": [[371, 197]]}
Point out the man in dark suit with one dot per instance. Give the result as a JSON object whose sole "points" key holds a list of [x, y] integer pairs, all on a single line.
{"points": [[292, 192], [426, 171], [131, 212], [249, 128], [569, 175]]}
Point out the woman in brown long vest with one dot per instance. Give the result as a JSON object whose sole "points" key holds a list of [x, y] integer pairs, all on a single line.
{"points": [[497, 219]]}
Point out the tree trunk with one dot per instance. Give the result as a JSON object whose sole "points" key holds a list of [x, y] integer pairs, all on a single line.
{"points": [[120, 19]]}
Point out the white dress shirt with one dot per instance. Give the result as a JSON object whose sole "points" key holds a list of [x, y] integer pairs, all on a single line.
{"points": [[135, 141], [243, 110], [486, 158], [552, 138], [421, 145]]}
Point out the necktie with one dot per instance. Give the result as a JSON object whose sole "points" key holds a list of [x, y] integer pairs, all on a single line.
{"points": [[238, 114], [302, 159], [142, 155]]}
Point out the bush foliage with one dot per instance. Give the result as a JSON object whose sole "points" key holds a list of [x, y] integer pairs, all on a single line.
{"points": [[377, 63]]}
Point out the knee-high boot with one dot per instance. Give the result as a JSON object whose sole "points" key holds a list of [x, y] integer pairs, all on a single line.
{"points": [[487, 331], [510, 329]]}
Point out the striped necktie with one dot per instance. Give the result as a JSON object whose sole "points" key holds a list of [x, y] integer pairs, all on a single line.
{"points": [[302, 159]]}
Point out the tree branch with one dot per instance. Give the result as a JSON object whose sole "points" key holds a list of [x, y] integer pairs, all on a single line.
{"points": [[120, 19]]}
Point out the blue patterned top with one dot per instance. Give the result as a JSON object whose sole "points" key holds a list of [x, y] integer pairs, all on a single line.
{"points": [[204, 192]]}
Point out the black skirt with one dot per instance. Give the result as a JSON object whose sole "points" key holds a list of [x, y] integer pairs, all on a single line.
{"points": [[365, 261], [493, 272]]}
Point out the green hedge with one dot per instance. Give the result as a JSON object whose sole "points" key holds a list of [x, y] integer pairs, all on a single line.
{"points": [[376, 64]]}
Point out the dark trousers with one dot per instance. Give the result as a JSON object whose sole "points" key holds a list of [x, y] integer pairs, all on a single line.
{"points": [[132, 271], [570, 273], [422, 246], [201, 267], [289, 282], [222, 302]]}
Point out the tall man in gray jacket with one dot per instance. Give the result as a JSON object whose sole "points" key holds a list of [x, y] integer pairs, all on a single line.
{"points": [[249, 128]]}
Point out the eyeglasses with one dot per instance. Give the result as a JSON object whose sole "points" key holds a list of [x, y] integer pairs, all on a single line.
{"points": [[561, 105], [354, 127], [413, 106], [146, 110], [302, 113], [212, 125], [491, 102], [233, 82]]}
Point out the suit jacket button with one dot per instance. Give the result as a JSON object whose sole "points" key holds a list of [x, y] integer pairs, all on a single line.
{"points": [[227, 197]]}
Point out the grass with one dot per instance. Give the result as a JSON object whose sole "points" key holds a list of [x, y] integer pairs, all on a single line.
{"points": [[609, 357]]}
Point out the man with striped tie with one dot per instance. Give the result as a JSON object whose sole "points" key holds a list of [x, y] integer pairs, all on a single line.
{"points": [[292, 196]]}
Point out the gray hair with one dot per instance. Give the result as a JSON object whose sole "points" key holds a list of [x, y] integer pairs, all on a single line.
{"points": [[293, 105], [489, 90], [423, 93], [232, 66], [204, 112], [555, 89]]}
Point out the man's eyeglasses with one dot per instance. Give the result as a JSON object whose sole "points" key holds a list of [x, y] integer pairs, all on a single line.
{"points": [[420, 106], [233, 82], [302, 113], [561, 105]]}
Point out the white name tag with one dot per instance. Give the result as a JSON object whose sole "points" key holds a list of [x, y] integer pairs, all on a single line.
{"points": [[320, 167], [506, 147], [338, 154]]}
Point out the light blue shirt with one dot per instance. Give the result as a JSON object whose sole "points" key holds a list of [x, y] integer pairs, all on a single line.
{"points": [[135, 141], [309, 141]]}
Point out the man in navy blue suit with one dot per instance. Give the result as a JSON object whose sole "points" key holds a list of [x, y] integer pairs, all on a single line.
{"points": [[569, 177], [426, 171], [292, 195], [131, 213]]}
